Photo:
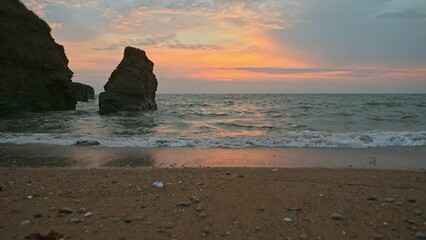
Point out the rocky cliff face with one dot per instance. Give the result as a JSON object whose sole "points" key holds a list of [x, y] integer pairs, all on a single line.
{"points": [[82, 92], [132, 85], [34, 73]]}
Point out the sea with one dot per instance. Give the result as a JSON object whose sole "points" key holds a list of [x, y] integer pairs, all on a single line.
{"points": [[235, 121]]}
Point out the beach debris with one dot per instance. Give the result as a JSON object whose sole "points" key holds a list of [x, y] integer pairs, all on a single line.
{"points": [[25, 222], [75, 220], [50, 236], [158, 184], [420, 236], [88, 214], [373, 162], [87, 143], [65, 210], [37, 215], [288, 220], [389, 200], [183, 204], [337, 216], [417, 211], [195, 199]]}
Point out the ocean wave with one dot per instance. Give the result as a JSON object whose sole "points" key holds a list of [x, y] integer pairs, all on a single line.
{"points": [[311, 139]]}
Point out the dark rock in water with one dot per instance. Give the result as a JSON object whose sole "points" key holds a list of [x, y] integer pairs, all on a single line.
{"points": [[132, 85], [87, 143], [34, 72], [82, 92]]}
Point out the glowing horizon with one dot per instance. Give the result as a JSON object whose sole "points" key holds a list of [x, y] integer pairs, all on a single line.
{"points": [[247, 46]]}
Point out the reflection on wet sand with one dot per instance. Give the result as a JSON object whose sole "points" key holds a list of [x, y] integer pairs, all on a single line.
{"points": [[37, 155]]}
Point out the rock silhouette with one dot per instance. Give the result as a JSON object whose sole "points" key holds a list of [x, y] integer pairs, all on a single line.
{"points": [[34, 73], [131, 86], [82, 92]]}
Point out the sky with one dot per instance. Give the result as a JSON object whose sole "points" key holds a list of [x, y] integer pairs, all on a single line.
{"points": [[252, 46]]}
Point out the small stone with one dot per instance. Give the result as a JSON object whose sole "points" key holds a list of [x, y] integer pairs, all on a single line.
{"points": [[275, 169], [289, 220], [183, 204], [389, 200], [158, 184], [378, 237], [337, 216], [127, 220], [258, 229], [207, 230], [25, 222], [372, 199], [37, 215], [195, 199], [228, 173], [420, 236], [412, 200], [295, 209], [417, 211], [304, 236], [75, 220], [199, 209], [321, 195], [82, 210], [65, 210], [115, 219], [88, 214], [203, 215], [262, 209]]}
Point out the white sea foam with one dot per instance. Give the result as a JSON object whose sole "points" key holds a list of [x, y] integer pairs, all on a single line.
{"points": [[312, 139]]}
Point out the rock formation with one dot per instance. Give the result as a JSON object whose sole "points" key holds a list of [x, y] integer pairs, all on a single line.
{"points": [[131, 86], [82, 92], [34, 73]]}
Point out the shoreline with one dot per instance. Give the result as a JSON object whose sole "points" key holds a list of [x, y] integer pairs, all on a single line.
{"points": [[40, 155], [211, 203]]}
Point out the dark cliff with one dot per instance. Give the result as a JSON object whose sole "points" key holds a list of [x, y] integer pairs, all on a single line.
{"points": [[132, 85], [34, 73]]}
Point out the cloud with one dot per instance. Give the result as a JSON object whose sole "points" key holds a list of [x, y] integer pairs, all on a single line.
{"points": [[407, 14]]}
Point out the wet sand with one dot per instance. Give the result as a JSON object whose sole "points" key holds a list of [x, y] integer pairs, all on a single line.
{"points": [[229, 203], [39, 155]]}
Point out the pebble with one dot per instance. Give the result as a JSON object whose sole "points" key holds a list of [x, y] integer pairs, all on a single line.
{"points": [[82, 210], [275, 169], [372, 199], [203, 215], [228, 173], [65, 210], [258, 229], [289, 220], [127, 220], [25, 222], [337, 216], [378, 237], [158, 184], [88, 214], [199, 209], [37, 215], [195, 199], [420, 236], [75, 220], [389, 199], [304, 236], [412, 200], [417, 211], [183, 204], [207, 230]]}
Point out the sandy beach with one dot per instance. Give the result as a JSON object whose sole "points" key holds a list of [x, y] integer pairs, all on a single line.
{"points": [[210, 203]]}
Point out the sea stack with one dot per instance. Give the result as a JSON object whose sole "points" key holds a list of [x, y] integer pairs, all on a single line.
{"points": [[131, 86], [34, 73], [82, 92]]}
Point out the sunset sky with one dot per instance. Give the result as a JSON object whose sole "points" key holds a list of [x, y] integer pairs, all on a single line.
{"points": [[253, 46]]}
